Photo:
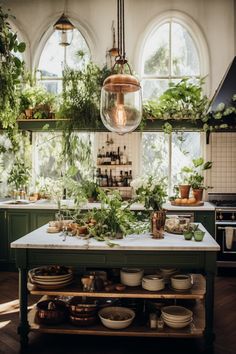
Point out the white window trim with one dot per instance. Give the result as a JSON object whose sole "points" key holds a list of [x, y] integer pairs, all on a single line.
{"points": [[194, 30]]}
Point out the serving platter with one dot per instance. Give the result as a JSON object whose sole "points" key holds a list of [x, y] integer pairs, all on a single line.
{"points": [[200, 203]]}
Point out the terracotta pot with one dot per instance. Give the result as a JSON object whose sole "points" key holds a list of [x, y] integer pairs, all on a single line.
{"points": [[198, 193], [158, 219], [184, 190]]}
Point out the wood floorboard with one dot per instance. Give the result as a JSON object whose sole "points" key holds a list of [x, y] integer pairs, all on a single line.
{"points": [[225, 329]]}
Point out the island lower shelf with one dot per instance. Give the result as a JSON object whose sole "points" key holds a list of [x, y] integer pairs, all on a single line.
{"points": [[195, 329]]}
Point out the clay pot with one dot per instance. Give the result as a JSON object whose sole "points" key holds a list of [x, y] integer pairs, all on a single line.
{"points": [[197, 194], [184, 190], [158, 219]]}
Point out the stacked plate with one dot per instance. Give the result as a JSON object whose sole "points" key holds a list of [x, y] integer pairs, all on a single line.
{"points": [[176, 316], [51, 277]]}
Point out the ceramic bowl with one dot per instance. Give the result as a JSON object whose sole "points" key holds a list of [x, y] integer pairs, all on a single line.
{"points": [[153, 282], [116, 317], [181, 281], [51, 312], [131, 276], [176, 313]]}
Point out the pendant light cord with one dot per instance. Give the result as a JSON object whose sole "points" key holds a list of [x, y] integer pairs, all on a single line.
{"points": [[121, 29]]}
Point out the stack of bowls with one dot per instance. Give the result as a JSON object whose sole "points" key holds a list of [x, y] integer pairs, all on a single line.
{"points": [[131, 276], [51, 277], [153, 282], [82, 312], [166, 273], [181, 282], [176, 316]]}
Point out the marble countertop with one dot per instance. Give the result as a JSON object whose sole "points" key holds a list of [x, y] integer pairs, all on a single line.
{"points": [[40, 239], [48, 205]]}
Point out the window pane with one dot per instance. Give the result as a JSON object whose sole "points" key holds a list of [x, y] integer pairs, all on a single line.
{"points": [[185, 147], [153, 88], [156, 52], [155, 157], [53, 56], [185, 61], [53, 86]]}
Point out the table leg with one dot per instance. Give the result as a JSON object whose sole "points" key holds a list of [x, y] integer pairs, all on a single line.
{"points": [[23, 328], [209, 306]]}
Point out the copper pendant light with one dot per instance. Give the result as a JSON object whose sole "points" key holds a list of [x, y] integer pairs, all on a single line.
{"points": [[121, 101]]}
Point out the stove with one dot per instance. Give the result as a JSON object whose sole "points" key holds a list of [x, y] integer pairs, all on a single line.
{"points": [[225, 227]]}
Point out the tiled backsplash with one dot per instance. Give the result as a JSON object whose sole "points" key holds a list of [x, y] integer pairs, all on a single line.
{"points": [[223, 155]]}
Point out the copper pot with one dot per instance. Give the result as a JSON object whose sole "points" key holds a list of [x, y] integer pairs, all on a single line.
{"points": [[51, 312]]}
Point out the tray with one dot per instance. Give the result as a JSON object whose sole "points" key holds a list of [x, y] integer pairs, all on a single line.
{"points": [[186, 204]]}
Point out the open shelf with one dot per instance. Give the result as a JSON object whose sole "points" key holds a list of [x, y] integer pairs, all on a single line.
{"points": [[195, 329], [197, 291], [114, 166]]}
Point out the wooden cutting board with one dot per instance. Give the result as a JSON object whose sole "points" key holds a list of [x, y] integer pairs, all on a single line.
{"points": [[200, 203]]}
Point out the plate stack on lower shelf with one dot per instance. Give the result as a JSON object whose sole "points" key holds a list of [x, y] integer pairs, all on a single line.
{"points": [[51, 277]]}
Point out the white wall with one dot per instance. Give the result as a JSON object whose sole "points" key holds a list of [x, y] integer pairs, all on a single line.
{"points": [[215, 19]]}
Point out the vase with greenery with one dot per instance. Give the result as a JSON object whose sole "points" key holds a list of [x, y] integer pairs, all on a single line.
{"points": [[90, 189], [11, 70], [152, 192], [195, 176]]}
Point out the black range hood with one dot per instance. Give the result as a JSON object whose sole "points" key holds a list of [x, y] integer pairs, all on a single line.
{"points": [[226, 89]]}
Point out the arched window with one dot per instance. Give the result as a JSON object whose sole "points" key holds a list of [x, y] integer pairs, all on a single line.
{"points": [[54, 57], [174, 48], [169, 54]]}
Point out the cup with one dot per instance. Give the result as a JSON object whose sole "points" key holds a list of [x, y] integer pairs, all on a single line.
{"points": [[188, 235], [198, 235]]}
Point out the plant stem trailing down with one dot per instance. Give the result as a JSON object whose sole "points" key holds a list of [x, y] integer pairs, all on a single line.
{"points": [[11, 68]]}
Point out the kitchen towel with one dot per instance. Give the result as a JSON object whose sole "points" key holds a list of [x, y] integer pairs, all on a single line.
{"points": [[229, 237]]}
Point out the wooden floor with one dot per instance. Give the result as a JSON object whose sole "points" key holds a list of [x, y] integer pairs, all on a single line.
{"points": [[225, 329]]}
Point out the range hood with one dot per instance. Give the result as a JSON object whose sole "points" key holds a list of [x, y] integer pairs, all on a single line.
{"points": [[226, 89]]}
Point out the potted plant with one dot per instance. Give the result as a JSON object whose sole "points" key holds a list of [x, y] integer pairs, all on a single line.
{"points": [[91, 190], [152, 193], [195, 176], [19, 176]]}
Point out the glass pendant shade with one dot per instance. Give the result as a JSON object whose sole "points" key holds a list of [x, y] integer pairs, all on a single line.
{"points": [[65, 30], [121, 103]]}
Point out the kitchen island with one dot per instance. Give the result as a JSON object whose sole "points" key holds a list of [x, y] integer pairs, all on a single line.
{"points": [[132, 251]]}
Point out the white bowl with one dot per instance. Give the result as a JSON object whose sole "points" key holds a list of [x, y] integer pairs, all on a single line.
{"points": [[153, 282], [131, 276], [181, 281], [110, 317], [176, 313], [177, 324]]}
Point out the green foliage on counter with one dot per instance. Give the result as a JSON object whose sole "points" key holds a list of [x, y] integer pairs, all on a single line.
{"points": [[114, 219], [194, 173]]}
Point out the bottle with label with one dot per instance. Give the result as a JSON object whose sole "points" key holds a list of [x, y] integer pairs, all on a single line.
{"points": [[103, 155], [118, 156], [99, 157], [125, 159]]}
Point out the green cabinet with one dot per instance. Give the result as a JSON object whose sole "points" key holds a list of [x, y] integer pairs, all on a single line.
{"points": [[3, 238], [207, 219], [40, 218], [18, 225]]}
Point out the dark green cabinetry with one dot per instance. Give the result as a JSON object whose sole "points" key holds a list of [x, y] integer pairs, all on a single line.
{"points": [[18, 225], [3, 238], [207, 219], [40, 218]]}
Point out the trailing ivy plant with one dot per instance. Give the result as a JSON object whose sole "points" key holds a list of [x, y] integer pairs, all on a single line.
{"points": [[11, 68]]}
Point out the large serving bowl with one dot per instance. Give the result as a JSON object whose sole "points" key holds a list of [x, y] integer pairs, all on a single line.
{"points": [[116, 317], [176, 313], [131, 276], [51, 312], [181, 281]]}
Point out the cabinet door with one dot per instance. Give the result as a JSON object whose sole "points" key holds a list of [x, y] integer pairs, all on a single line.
{"points": [[41, 217], [3, 236], [18, 225], [207, 219]]}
